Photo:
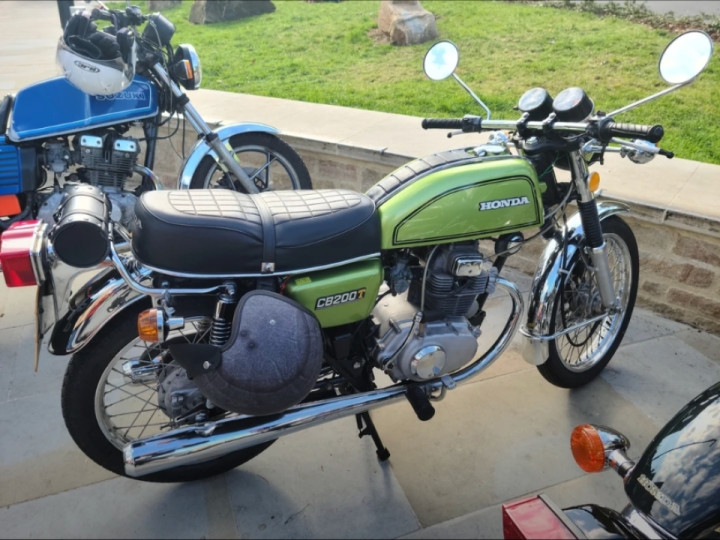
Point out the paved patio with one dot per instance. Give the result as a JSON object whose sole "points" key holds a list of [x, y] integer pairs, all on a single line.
{"points": [[497, 438]]}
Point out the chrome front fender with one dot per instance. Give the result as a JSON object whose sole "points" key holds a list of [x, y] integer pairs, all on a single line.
{"points": [[202, 148], [546, 283]]}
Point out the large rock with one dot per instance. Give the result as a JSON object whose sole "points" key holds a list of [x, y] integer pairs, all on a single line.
{"points": [[406, 22], [159, 5], [211, 11]]}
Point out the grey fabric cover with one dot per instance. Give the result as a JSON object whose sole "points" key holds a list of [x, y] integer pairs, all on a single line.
{"points": [[272, 359]]}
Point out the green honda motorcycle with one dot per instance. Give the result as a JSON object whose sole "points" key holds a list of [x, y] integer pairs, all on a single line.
{"points": [[220, 321]]}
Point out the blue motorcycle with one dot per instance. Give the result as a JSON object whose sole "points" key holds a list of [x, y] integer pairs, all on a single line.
{"points": [[76, 129]]}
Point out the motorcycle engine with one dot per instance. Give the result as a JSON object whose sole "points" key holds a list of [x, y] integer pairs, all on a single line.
{"points": [[105, 160], [450, 281]]}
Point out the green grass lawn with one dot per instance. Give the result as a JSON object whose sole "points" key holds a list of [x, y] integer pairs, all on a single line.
{"points": [[327, 52]]}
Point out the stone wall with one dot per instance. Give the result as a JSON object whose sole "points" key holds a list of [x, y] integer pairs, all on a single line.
{"points": [[679, 254]]}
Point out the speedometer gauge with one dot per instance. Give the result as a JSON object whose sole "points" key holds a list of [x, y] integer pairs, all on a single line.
{"points": [[537, 103]]}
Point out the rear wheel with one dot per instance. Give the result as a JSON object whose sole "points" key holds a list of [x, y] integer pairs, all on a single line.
{"points": [[579, 355], [270, 163], [110, 398]]}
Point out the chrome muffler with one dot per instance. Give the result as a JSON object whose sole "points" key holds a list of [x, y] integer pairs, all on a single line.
{"points": [[198, 444], [191, 445]]}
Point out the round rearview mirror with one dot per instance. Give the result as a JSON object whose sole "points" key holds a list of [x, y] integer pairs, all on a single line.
{"points": [[441, 60], [685, 57]]}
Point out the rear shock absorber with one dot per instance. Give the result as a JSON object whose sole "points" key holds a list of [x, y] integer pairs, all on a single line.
{"points": [[222, 318]]}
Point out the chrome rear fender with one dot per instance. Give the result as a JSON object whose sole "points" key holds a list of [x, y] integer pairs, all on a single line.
{"points": [[546, 283], [202, 148], [84, 306]]}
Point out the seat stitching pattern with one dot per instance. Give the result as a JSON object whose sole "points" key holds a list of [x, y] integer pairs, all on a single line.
{"points": [[298, 205], [284, 206]]}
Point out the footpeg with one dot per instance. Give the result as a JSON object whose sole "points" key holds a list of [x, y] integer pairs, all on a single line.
{"points": [[420, 403]]}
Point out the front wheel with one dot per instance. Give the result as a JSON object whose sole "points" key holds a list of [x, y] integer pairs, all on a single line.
{"points": [[110, 396], [580, 354], [270, 163]]}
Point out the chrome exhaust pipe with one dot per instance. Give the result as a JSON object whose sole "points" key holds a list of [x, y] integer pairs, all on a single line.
{"points": [[191, 445], [197, 444]]}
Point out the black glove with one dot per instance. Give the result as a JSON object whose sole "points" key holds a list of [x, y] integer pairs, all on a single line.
{"points": [[83, 37], [84, 47], [107, 45], [79, 25]]}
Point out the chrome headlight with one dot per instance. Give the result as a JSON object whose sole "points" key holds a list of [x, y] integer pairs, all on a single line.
{"points": [[186, 66]]}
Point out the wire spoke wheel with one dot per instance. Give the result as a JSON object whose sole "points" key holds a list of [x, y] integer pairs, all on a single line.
{"points": [[584, 348], [111, 397], [270, 163], [126, 400]]}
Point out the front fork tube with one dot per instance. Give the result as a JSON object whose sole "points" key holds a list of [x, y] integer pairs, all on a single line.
{"points": [[226, 158], [592, 229]]}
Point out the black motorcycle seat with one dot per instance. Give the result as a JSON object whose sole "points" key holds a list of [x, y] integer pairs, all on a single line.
{"points": [[223, 232]]}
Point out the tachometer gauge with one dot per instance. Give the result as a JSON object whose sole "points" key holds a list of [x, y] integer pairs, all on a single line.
{"points": [[572, 105]]}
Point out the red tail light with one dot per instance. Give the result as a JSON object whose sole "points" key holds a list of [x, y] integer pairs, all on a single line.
{"points": [[533, 517], [19, 253]]}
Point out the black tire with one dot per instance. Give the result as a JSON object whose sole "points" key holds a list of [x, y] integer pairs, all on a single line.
{"points": [[268, 160], [579, 356], [89, 423]]}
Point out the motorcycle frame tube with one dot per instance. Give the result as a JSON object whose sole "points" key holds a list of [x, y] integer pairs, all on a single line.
{"points": [[554, 262], [224, 156], [202, 149], [192, 445]]}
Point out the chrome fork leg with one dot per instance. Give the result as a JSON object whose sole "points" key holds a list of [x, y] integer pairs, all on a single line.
{"points": [[601, 267], [592, 229]]}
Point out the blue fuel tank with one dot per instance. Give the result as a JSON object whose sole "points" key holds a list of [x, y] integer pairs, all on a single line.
{"points": [[55, 107]]}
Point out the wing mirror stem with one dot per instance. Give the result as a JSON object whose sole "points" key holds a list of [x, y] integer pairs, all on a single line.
{"points": [[440, 62], [683, 59], [472, 94], [649, 98]]}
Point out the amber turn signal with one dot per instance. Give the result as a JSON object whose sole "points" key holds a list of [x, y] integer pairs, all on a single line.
{"points": [[587, 448], [150, 325]]}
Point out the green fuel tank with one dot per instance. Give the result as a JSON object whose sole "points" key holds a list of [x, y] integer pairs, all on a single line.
{"points": [[457, 195]]}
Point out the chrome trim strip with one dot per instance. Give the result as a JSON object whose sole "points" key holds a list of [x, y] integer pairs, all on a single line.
{"points": [[192, 445], [260, 274]]}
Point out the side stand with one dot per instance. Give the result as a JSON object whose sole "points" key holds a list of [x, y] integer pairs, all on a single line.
{"points": [[369, 429]]}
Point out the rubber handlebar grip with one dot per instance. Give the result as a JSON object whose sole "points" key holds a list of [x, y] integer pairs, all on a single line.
{"points": [[442, 123], [640, 131]]}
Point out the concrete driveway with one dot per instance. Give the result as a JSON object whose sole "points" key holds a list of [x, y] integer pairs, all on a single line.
{"points": [[494, 439]]}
